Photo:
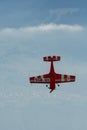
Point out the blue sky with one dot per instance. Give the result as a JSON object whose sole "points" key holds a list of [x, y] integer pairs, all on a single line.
{"points": [[25, 13], [30, 30]]}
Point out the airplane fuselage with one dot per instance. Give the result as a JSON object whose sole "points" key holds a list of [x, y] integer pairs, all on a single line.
{"points": [[52, 76]]}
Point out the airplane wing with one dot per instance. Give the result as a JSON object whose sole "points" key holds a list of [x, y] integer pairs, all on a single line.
{"points": [[40, 79], [62, 78]]}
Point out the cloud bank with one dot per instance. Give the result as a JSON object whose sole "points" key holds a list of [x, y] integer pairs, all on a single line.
{"points": [[42, 28]]}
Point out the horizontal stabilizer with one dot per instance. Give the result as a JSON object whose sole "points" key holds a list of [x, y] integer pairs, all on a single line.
{"points": [[51, 58]]}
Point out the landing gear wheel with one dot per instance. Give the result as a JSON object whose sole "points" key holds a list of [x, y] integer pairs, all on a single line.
{"points": [[46, 85]]}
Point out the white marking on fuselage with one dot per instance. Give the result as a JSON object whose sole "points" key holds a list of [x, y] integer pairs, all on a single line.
{"points": [[68, 77], [62, 78]]}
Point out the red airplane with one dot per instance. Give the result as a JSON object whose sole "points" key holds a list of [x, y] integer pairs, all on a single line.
{"points": [[52, 78]]}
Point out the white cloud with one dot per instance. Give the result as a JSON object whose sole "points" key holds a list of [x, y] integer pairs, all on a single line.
{"points": [[58, 13], [51, 27], [41, 28], [63, 11]]}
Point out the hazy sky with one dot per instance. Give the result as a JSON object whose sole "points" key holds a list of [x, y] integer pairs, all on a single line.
{"points": [[30, 30]]}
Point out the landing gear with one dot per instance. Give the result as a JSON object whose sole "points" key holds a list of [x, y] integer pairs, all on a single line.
{"points": [[58, 85], [47, 86]]}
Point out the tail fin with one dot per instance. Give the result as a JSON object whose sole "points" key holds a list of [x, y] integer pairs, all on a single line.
{"points": [[51, 58]]}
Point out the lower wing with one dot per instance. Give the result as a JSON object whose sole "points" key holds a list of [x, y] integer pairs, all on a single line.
{"points": [[62, 78], [40, 79]]}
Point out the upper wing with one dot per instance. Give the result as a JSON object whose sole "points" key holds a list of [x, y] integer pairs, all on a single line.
{"points": [[62, 78], [40, 79]]}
